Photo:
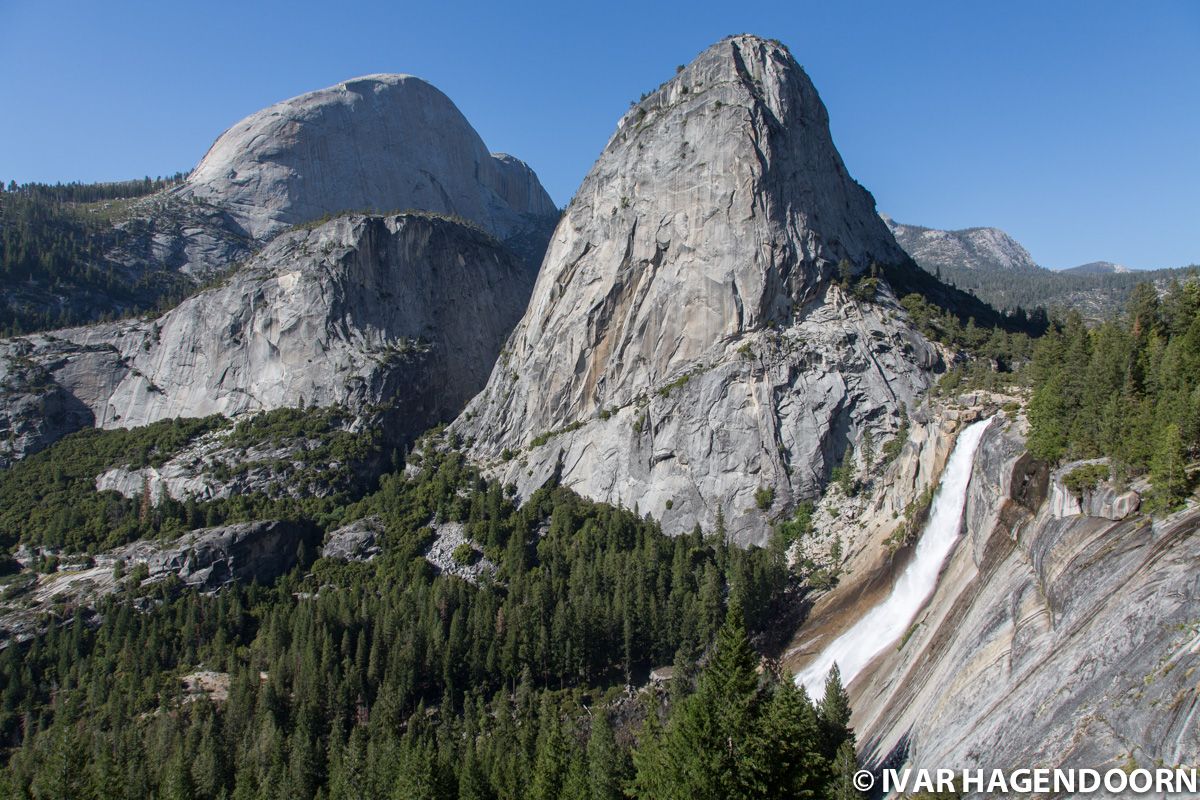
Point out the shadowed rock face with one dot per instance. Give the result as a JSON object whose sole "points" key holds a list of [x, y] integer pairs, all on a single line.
{"points": [[408, 311], [684, 342], [206, 559], [376, 143], [211, 558]]}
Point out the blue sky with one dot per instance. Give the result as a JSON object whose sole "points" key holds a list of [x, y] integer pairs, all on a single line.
{"points": [[1074, 126]]}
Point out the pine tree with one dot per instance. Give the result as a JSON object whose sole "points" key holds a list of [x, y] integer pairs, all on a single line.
{"points": [[1168, 469], [605, 765], [834, 714], [472, 782], [712, 748], [551, 762], [793, 737], [177, 783], [575, 781], [844, 766]]}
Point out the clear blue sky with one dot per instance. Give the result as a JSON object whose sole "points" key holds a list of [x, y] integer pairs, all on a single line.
{"points": [[1074, 126]]}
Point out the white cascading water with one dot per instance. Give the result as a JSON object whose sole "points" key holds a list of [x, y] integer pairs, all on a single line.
{"points": [[884, 623]]}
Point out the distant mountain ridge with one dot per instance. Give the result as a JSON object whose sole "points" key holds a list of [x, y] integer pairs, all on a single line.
{"points": [[972, 248], [1098, 268], [992, 265]]}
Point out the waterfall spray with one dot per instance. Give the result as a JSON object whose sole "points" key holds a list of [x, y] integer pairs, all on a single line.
{"points": [[884, 623]]}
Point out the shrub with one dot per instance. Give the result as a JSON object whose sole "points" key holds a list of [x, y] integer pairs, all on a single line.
{"points": [[764, 498], [1085, 478], [799, 526], [464, 554]]}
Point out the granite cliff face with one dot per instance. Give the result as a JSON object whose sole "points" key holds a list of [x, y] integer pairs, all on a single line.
{"points": [[377, 143], [1063, 631], [380, 143], [1053, 639], [686, 342], [360, 311]]}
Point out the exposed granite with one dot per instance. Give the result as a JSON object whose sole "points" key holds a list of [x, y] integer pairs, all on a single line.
{"points": [[407, 311], [686, 341]]}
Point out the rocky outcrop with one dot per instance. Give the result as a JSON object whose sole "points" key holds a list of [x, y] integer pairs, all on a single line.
{"points": [[1104, 499], [328, 455], [378, 143], [451, 553], [211, 558], [34, 410], [178, 234], [686, 343], [207, 560], [361, 311], [358, 541], [986, 249], [1050, 640]]}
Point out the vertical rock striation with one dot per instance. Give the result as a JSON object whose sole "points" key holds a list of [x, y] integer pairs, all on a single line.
{"points": [[1054, 639], [686, 343]]}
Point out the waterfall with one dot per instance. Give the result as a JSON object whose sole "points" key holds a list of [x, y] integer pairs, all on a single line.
{"points": [[885, 623]]}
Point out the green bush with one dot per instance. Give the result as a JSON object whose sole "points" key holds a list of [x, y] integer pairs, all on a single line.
{"points": [[799, 526], [764, 498], [1085, 478], [464, 554]]}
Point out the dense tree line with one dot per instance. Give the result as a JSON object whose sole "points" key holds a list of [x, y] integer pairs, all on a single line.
{"points": [[387, 679], [52, 253], [50, 500], [1128, 389], [77, 192], [1096, 295]]}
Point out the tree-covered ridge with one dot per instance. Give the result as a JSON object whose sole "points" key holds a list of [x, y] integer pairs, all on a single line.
{"points": [[1128, 389], [386, 679], [987, 263], [78, 192], [1096, 296], [54, 241], [50, 499]]}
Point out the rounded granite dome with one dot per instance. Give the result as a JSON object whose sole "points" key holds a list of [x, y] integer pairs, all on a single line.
{"points": [[379, 143]]}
